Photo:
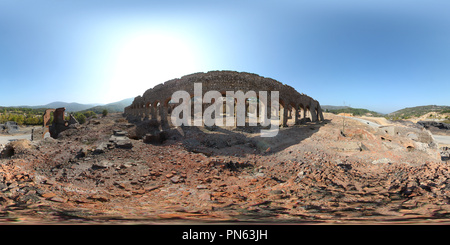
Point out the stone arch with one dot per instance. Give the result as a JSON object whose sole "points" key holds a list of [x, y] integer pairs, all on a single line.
{"points": [[283, 113], [156, 110], [301, 112], [263, 110], [230, 110], [307, 113], [292, 103], [148, 110], [164, 112], [292, 114]]}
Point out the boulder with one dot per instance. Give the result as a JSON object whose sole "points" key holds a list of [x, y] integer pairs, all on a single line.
{"points": [[120, 139], [155, 138]]}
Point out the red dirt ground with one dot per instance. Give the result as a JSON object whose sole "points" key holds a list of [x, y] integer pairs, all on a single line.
{"points": [[307, 174]]}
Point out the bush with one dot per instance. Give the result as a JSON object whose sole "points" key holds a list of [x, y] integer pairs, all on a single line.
{"points": [[81, 118], [105, 113], [90, 114]]}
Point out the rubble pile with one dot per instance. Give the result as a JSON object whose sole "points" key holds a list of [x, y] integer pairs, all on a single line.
{"points": [[95, 173]]}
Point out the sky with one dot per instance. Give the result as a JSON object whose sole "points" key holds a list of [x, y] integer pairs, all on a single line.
{"points": [[380, 55]]}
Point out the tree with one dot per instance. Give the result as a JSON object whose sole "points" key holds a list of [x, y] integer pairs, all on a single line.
{"points": [[105, 113], [90, 114], [81, 118]]}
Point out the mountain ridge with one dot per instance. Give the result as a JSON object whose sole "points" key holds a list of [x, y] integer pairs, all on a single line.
{"points": [[418, 111], [117, 106]]}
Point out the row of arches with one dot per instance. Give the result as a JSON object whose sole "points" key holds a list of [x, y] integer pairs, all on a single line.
{"points": [[287, 114]]}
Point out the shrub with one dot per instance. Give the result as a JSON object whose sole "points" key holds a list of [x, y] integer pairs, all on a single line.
{"points": [[90, 114], [81, 118]]}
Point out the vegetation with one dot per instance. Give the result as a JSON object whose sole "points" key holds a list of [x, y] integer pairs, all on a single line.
{"points": [[354, 111], [29, 116], [82, 116], [417, 111], [33, 115], [420, 110], [22, 116]]}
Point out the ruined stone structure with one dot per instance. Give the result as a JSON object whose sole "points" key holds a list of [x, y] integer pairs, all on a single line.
{"points": [[155, 103], [10, 127], [58, 125]]}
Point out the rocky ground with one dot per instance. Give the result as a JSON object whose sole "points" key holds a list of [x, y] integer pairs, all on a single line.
{"points": [[103, 172]]}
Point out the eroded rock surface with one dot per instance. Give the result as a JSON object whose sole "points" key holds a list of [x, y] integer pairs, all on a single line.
{"points": [[308, 173]]}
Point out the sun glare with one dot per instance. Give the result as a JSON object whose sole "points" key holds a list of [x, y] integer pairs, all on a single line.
{"points": [[144, 61]]}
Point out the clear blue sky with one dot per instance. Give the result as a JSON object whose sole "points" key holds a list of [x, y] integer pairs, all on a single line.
{"points": [[381, 55]]}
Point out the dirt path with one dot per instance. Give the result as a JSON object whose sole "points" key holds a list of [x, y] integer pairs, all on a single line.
{"points": [[5, 139]]}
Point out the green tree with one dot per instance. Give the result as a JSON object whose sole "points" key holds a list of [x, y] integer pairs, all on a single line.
{"points": [[105, 113], [81, 118], [88, 114]]}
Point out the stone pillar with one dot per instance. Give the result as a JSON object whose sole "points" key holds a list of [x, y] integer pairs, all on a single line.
{"points": [[313, 114], [141, 111], [295, 115], [146, 112], [153, 111], [320, 114], [257, 111], [283, 116], [163, 110]]}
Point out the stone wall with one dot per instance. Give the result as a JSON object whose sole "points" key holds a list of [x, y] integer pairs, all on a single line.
{"points": [[154, 103], [419, 135]]}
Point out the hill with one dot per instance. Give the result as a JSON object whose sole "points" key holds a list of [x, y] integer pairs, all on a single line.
{"points": [[354, 111], [32, 115], [118, 106], [419, 111], [78, 107], [71, 107], [332, 107]]}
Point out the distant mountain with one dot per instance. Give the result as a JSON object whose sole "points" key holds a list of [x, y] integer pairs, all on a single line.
{"points": [[96, 107], [118, 106], [71, 107], [333, 107], [347, 109], [418, 111]]}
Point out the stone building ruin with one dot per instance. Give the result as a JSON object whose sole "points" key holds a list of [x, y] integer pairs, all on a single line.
{"points": [[54, 127], [10, 127], [155, 103]]}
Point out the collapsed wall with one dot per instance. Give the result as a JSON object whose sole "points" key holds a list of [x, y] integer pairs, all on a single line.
{"points": [[55, 127], [155, 102]]}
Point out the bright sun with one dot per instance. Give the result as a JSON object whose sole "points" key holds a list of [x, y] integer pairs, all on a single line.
{"points": [[147, 60]]}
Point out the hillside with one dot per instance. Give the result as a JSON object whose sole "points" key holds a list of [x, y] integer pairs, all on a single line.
{"points": [[72, 107], [76, 107], [32, 115], [332, 107], [419, 111], [354, 111], [118, 106]]}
